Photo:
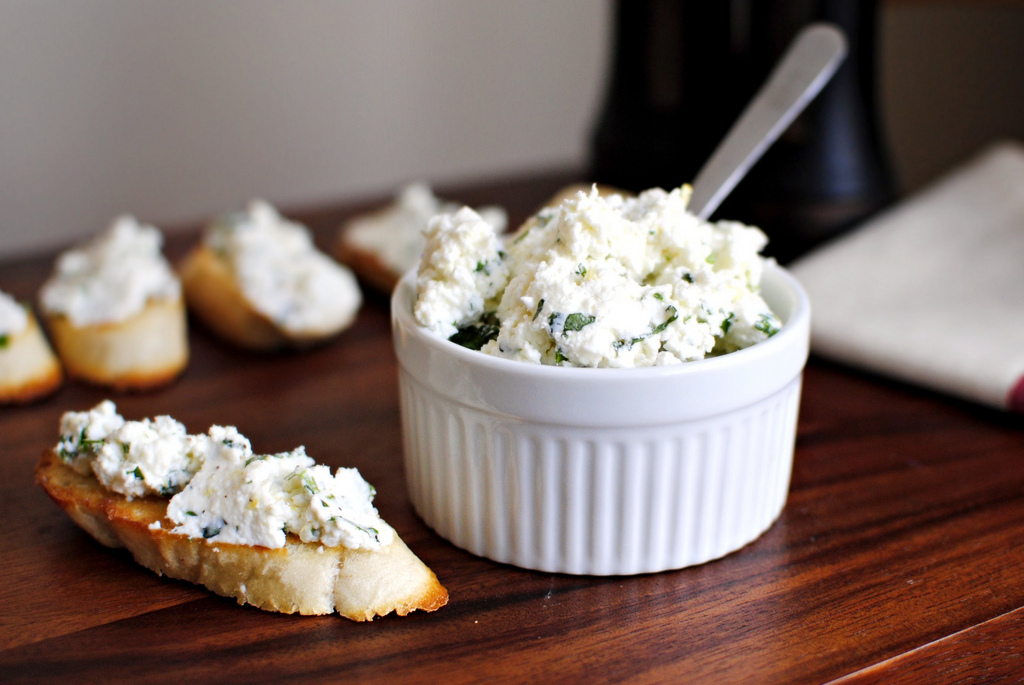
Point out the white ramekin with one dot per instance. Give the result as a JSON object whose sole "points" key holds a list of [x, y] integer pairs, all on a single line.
{"points": [[601, 471]]}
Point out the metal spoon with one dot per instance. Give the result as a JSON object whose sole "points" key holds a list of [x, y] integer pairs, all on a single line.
{"points": [[810, 61]]}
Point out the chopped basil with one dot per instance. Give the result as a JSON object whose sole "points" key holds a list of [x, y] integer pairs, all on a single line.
{"points": [[765, 325], [727, 324], [659, 296], [540, 306], [577, 321], [662, 326], [475, 335], [87, 443]]}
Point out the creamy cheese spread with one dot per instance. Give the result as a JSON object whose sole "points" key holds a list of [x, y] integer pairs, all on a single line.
{"points": [[598, 282], [112, 277], [219, 488], [13, 318], [395, 234], [281, 273]]}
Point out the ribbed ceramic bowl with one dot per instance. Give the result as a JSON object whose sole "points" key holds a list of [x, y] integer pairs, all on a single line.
{"points": [[601, 471]]}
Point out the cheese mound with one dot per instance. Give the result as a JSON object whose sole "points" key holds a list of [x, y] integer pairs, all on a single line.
{"points": [[281, 273], [598, 281], [112, 277], [218, 488]]}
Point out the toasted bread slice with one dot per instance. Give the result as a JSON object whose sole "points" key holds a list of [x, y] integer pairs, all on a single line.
{"points": [[304, 578], [28, 368], [146, 350], [214, 296]]}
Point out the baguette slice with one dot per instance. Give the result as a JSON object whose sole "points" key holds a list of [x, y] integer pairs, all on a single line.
{"points": [[215, 297], [304, 578], [28, 368], [146, 350]]}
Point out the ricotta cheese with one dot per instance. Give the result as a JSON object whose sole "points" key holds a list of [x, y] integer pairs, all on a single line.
{"points": [[219, 488], [281, 273], [395, 234], [112, 277], [13, 318], [597, 282]]}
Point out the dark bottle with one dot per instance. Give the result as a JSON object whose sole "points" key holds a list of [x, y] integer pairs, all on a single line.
{"points": [[683, 71]]}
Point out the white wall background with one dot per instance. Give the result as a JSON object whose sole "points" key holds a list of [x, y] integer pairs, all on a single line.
{"points": [[177, 109]]}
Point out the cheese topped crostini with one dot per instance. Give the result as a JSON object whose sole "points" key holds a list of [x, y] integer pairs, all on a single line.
{"points": [[115, 310], [277, 531], [258, 281], [28, 368]]}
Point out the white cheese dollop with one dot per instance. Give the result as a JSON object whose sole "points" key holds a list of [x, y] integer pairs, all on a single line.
{"points": [[599, 282], [112, 277], [461, 273], [243, 498], [282, 274], [221, 490], [133, 458], [395, 234], [13, 318]]}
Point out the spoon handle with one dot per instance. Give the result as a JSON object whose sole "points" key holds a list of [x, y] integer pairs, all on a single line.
{"points": [[803, 71]]}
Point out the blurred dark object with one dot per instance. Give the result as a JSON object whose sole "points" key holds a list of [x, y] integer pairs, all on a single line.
{"points": [[682, 73]]}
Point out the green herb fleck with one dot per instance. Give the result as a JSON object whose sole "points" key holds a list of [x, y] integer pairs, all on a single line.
{"points": [[210, 531], [688, 277], [710, 259], [659, 296], [577, 321], [5, 340], [475, 335], [766, 326], [559, 357], [662, 326], [190, 513], [540, 306], [137, 472], [581, 271], [727, 324], [84, 442], [126, 447]]}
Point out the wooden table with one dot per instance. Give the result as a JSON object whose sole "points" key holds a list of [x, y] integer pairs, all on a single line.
{"points": [[899, 556]]}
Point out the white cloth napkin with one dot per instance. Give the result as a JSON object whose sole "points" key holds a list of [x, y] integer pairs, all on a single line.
{"points": [[932, 291]]}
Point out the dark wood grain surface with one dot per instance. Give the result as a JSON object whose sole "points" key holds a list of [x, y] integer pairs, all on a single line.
{"points": [[898, 558]]}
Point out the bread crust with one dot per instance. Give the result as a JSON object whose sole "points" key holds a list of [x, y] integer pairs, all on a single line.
{"points": [[146, 350], [214, 296], [304, 578], [29, 370], [366, 264]]}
